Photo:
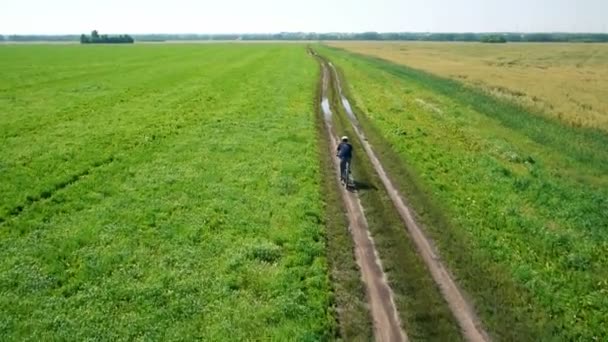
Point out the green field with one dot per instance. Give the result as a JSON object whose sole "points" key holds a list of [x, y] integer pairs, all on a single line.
{"points": [[161, 192], [517, 202], [185, 191]]}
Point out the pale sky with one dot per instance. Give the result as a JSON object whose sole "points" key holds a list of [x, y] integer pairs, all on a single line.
{"points": [[269, 16]]}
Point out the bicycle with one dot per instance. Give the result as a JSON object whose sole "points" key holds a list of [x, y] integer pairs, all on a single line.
{"points": [[346, 173]]}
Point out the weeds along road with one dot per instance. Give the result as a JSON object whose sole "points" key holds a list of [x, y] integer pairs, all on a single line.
{"points": [[387, 326], [460, 307]]}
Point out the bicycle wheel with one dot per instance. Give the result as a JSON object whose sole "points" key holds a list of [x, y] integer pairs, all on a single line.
{"points": [[347, 172]]}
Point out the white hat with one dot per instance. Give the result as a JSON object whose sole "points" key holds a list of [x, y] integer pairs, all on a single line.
{"points": [[345, 138]]}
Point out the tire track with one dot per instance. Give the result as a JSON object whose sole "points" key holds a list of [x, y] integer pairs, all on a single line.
{"points": [[461, 309], [46, 194], [387, 325]]}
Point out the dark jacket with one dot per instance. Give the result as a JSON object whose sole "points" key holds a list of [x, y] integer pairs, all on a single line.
{"points": [[345, 150]]}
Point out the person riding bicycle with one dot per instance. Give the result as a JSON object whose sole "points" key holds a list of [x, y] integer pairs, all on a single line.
{"points": [[345, 153]]}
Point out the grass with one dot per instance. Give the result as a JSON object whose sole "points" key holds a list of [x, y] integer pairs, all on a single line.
{"points": [[161, 192], [516, 201], [567, 81], [423, 312]]}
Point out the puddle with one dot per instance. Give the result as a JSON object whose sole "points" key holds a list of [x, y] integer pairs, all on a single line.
{"points": [[349, 110], [326, 110]]}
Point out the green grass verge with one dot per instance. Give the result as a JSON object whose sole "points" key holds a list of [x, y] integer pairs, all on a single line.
{"points": [[161, 192], [517, 203]]}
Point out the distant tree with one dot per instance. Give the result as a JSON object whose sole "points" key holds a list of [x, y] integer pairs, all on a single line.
{"points": [[329, 36], [544, 37], [493, 38], [469, 37], [369, 36], [105, 39], [389, 36], [514, 37]]}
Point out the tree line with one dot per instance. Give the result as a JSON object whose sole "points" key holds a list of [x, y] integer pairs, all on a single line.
{"points": [[39, 38], [404, 36], [493, 39], [96, 38]]}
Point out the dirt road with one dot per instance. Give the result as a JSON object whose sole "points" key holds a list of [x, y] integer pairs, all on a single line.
{"points": [[387, 326], [460, 307]]}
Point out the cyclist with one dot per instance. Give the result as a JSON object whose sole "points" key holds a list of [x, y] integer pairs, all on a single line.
{"points": [[345, 153]]}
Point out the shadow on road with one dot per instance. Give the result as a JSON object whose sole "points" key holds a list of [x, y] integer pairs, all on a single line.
{"points": [[359, 185]]}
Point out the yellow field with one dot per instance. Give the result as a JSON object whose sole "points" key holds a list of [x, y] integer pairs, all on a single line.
{"points": [[568, 81]]}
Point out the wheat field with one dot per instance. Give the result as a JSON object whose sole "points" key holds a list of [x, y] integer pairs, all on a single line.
{"points": [[567, 81]]}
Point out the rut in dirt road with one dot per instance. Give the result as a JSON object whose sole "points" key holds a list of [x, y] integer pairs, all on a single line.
{"points": [[386, 322], [460, 307]]}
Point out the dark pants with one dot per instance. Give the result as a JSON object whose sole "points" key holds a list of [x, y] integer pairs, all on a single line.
{"points": [[344, 167]]}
